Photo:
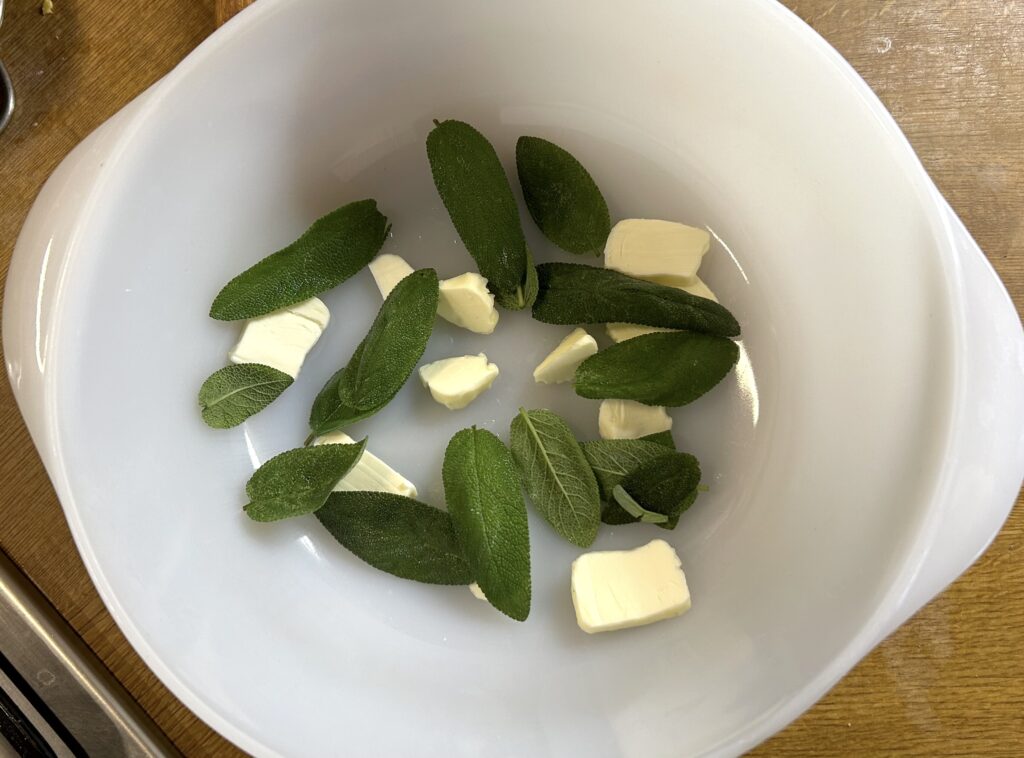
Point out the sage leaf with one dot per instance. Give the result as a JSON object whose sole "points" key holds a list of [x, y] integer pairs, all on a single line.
{"points": [[397, 534], [667, 485], [334, 248], [664, 368], [613, 460], [384, 360], [662, 438], [481, 487], [563, 199], [234, 393], [298, 481], [573, 294], [476, 192], [556, 475], [634, 509]]}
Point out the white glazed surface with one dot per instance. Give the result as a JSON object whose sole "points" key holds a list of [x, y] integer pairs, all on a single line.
{"points": [[876, 342]]}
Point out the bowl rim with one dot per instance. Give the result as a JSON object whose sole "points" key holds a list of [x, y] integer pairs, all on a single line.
{"points": [[872, 629]]}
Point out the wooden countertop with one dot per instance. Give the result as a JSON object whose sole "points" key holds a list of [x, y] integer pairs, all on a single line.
{"points": [[950, 682]]}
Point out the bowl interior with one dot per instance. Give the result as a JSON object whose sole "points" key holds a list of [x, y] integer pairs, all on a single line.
{"points": [[819, 450]]}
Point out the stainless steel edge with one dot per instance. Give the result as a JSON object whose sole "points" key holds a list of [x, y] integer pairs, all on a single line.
{"points": [[68, 678]]}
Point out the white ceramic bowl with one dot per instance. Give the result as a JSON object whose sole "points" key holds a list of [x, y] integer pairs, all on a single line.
{"points": [[866, 450]]}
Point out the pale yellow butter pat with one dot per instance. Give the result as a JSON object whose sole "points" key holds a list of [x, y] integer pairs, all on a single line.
{"points": [[630, 420], [456, 382], [560, 366], [698, 288], [478, 593], [465, 301], [648, 248], [282, 339], [618, 589], [370, 474], [388, 270]]}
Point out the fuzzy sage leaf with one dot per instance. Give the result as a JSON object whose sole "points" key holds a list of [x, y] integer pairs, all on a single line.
{"points": [[234, 393], [298, 481], [563, 199], [664, 368], [475, 191], [662, 438], [384, 360], [667, 485], [397, 534], [481, 488], [573, 293], [613, 460], [556, 475], [333, 249]]}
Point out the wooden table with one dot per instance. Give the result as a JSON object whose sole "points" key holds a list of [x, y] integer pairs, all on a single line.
{"points": [[950, 682]]}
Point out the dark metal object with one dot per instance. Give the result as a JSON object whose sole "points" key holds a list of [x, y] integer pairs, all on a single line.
{"points": [[6, 88], [56, 698]]}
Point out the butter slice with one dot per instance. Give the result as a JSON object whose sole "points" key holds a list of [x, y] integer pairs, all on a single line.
{"points": [[560, 366], [388, 270], [698, 288], [281, 339], [477, 592], [630, 420], [465, 301], [648, 248], [456, 382], [370, 474], [618, 589]]}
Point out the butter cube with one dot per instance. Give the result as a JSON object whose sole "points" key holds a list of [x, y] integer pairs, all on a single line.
{"points": [[388, 270], [456, 382], [560, 365], [630, 420], [465, 301], [370, 474], [282, 339], [618, 589], [649, 249]]}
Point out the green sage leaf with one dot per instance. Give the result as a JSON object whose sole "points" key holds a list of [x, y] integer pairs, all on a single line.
{"points": [[482, 490], [234, 393], [397, 534], [563, 199], [664, 368], [556, 475], [298, 481], [572, 293], [333, 249], [634, 509], [384, 360], [662, 438], [613, 460], [667, 485], [475, 191]]}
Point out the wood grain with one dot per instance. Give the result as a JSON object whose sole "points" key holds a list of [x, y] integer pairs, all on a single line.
{"points": [[949, 683]]}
